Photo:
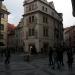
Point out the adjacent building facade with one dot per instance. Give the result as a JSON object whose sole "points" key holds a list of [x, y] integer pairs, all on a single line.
{"points": [[11, 41], [3, 27], [19, 35], [42, 26], [69, 37]]}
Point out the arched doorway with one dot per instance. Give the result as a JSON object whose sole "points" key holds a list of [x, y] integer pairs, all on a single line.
{"points": [[32, 49]]}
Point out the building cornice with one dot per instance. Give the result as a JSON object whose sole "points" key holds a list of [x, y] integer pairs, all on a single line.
{"points": [[38, 11], [29, 2], [43, 3], [4, 11]]}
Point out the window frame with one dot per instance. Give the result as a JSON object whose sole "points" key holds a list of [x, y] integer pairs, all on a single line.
{"points": [[1, 26]]}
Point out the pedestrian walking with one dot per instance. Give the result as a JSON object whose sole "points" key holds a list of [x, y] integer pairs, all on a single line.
{"points": [[69, 58], [50, 56], [58, 57], [61, 51], [1, 56], [7, 56], [54, 57]]}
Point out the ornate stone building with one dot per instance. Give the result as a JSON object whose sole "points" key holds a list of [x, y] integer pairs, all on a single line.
{"points": [[42, 26]]}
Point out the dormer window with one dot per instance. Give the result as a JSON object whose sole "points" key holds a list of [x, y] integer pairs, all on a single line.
{"points": [[31, 7]]}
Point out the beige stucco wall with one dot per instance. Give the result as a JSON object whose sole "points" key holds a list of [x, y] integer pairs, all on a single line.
{"points": [[4, 21]]}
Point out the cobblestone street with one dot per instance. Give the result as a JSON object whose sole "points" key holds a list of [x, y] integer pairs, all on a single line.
{"points": [[37, 66]]}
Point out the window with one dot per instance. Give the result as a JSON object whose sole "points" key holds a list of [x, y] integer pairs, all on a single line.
{"points": [[43, 8], [32, 6], [45, 31], [1, 44], [31, 32], [35, 5], [26, 8], [45, 19], [56, 34], [2, 15], [1, 27], [29, 7], [32, 18], [52, 13], [46, 9], [1, 36]]}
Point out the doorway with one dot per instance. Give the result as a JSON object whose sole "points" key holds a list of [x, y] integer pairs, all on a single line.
{"points": [[45, 48], [32, 49]]}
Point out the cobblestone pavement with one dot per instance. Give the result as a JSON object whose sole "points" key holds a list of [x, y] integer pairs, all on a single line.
{"points": [[37, 66]]}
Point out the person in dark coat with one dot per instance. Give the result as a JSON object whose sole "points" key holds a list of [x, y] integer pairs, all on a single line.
{"points": [[61, 52], [50, 56], [7, 56], [69, 58]]}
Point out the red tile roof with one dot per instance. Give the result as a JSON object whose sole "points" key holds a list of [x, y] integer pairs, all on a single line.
{"points": [[11, 27]]}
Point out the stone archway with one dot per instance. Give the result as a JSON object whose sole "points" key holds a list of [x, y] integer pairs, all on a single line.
{"points": [[32, 49]]}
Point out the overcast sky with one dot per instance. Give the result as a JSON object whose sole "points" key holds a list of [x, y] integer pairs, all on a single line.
{"points": [[15, 7]]}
